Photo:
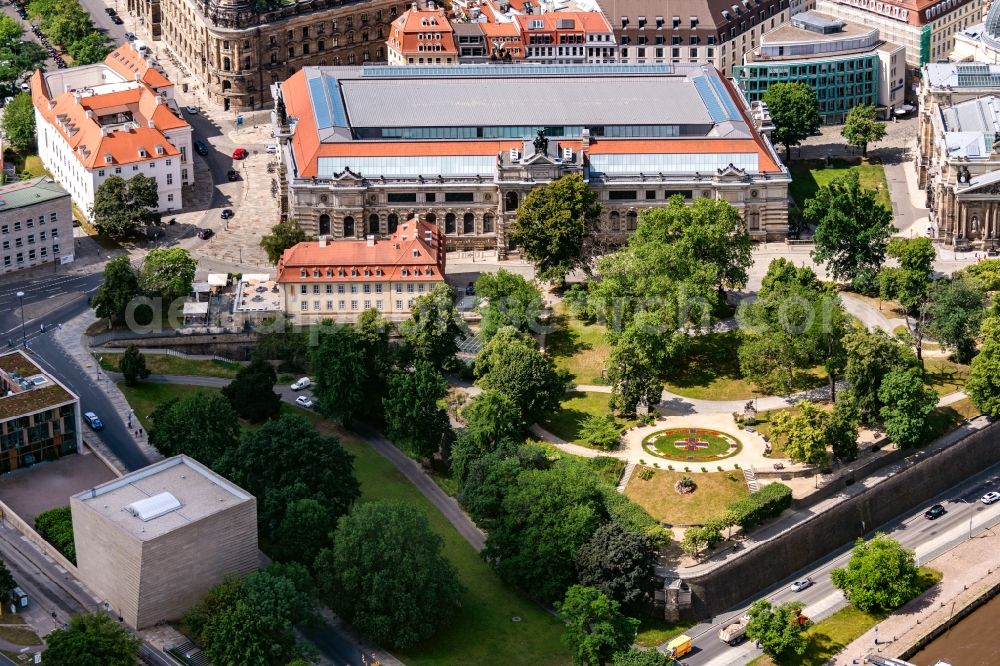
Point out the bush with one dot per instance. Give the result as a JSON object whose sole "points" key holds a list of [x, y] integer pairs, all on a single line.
{"points": [[646, 473], [767, 502], [866, 282], [56, 527], [601, 432]]}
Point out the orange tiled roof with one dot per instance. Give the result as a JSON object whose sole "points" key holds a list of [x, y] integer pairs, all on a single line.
{"points": [[583, 22], [128, 62], [349, 260], [409, 32], [84, 134]]}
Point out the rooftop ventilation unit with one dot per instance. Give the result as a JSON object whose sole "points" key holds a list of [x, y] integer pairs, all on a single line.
{"points": [[153, 507]]}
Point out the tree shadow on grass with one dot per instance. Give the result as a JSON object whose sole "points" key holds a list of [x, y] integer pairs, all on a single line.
{"points": [[708, 358], [564, 342]]}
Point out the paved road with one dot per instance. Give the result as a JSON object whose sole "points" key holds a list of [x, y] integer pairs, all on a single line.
{"points": [[965, 514]]}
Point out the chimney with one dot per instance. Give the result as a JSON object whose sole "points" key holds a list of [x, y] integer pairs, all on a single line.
{"points": [[585, 138], [370, 240], [322, 241]]}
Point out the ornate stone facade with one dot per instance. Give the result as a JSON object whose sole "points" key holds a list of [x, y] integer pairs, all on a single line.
{"points": [[236, 50]]}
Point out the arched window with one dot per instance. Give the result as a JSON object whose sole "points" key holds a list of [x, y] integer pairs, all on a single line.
{"points": [[393, 222], [227, 85], [373, 224], [226, 65], [348, 227], [469, 224], [324, 225], [510, 202], [431, 217], [449, 223], [614, 221], [487, 223], [630, 220]]}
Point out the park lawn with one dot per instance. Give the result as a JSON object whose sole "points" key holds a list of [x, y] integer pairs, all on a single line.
{"points": [[579, 348], [711, 371], [946, 419], [566, 421], [14, 630], [714, 492], [809, 175], [944, 376], [656, 631], [162, 364], [482, 631]]}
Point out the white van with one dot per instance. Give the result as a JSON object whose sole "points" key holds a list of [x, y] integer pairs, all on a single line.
{"points": [[301, 384]]}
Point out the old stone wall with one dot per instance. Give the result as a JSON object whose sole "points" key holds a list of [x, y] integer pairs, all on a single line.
{"points": [[927, 475]]}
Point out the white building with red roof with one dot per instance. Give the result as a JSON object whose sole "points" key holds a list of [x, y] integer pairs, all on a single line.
{"points": [[421, 37], [118, 118], [322, 280]]}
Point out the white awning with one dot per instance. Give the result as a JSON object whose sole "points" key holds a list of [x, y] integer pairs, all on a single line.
{"points": [[218, 279]]}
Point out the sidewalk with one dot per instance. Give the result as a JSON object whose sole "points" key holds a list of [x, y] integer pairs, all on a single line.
{"points": [[969, 570]]}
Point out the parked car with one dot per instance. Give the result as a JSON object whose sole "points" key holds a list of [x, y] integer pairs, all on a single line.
{"points": [[117, 20], [110, 11], [990, 497], [130, 36], [232, 175], [300, 384], [934, 512], [226, 213], [193, 110], [272, 148], [205, 234], [240, 154], [93, 421], [200, 148], [800, 585], [303, 401]]}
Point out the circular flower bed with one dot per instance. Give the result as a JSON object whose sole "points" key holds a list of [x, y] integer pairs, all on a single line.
{"points": [[691, 444]]}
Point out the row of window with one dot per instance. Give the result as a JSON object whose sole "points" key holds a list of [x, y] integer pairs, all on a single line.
{"points": [[342, 305], [365, 288], [633, 195], [18, 258], [30, 223], [18, 242]]}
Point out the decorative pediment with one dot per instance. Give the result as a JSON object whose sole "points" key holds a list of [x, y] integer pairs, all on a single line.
{"points": [[539, 159], [348, 175], [731, 172], [991, 189]]}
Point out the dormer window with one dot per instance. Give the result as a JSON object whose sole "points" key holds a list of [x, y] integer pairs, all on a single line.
{"points": [[367, 273], [659, 21], [642, 21], [354, 272], [329, 272], [694, 21], [416, 252], [677, 22], [142, 152], [624, 22], [405, 272], [303, 273], [315, 272], [108, 159], [340, 273], [378, 272]]}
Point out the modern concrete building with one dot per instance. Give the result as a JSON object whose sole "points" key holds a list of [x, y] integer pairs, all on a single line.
{"points": [[925, 28], [39, 416], [958, 152], [152, 542], [338, 281], [236, 49], [363, 149], [36, 224], [117, 118], [846, 64], [716, 32]]}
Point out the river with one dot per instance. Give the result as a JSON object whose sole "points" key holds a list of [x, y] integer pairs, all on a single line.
{"points": [[971, 642]]}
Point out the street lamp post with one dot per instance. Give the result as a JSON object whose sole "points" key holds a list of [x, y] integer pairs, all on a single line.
{"points": [[24, 338]]}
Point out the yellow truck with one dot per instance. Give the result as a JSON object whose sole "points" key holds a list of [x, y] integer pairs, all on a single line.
{"points": [[678, 647]]}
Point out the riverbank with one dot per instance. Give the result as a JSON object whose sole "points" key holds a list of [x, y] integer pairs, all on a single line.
{"points": [[969, 571]]}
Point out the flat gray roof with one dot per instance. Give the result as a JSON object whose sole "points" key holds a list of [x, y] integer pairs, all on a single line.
{"points": [[962, 75], [200, 491], [30, 192]]}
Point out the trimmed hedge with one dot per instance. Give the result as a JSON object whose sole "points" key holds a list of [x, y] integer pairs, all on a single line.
{"points": [[767, 502], [56, 527]]}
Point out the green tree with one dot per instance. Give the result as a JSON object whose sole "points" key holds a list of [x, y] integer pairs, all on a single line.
{"points": [[372, 333], [7, 581], [89, 49], [880, 577], [413, 417], [637, 657], [638, 360], [863, 127], [777, 629], [56, 527], [122, 206], [508, 300], [251, 393], [984, 274], [201, 425], [983, 384], [397, 596], [511, 364], [552, 222], [338, 363], [19, 122], [595, 627], [546, 516], [871, 355], [120, 286], [283, 235], [956, 311], [842, 430], [303, 532], [805, 432], [852, 227], [910, 282], [907, 406], [619, 562], [434, 326], [285, 460], [794, 111], [492, 417], [92, 638], [133, 366], [167, 272], [601, 432]]}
